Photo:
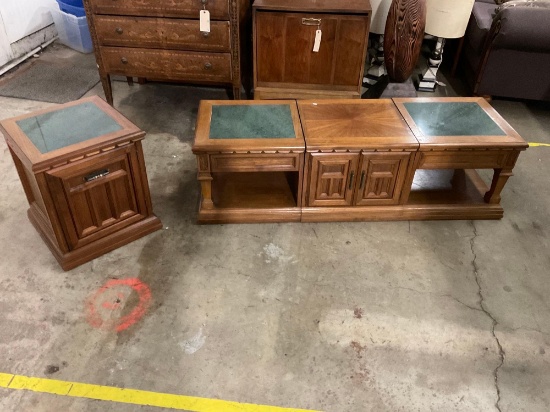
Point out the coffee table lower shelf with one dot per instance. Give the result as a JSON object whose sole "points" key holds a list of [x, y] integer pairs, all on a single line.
{"points": [[257, 197], [269, 197]]}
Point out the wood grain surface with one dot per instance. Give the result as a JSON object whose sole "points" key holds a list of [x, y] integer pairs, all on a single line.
{"points": [[403, 37], [320, 6]]}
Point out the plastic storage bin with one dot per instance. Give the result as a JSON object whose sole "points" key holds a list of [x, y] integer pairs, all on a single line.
{"points": [[73, 31], [68, 7], [76, 3]]}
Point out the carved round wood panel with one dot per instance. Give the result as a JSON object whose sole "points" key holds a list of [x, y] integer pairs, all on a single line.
{"points": [[403, 37]]}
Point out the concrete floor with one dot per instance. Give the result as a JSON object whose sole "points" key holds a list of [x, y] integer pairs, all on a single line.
{"points": [[390, 316]]}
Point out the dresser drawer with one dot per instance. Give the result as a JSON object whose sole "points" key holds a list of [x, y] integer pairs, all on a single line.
{"points": [[219, 9], [161, 33], [169, 65]]}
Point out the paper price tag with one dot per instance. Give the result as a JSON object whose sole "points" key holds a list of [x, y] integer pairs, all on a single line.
{"points": [[205, 21], [317, 43]]}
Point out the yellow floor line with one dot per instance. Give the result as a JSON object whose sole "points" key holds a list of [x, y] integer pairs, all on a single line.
{"points": [[132, 396], [539, 144]]}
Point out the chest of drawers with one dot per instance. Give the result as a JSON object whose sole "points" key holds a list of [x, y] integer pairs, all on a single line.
{"points": [[162, 40]]}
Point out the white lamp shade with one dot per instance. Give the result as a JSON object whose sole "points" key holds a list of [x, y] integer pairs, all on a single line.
{"points": [[448, 18], [380, 9]]}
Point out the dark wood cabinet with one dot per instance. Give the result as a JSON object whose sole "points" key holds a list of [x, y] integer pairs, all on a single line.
{"points": [[285, 62], [82, 168], [162, 40]]}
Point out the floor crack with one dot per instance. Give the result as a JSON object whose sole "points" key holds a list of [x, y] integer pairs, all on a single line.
{"points": [[441, 295], [501, 352]]}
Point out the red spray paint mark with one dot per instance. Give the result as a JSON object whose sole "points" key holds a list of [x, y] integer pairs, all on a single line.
{"points": [[96, 316]]}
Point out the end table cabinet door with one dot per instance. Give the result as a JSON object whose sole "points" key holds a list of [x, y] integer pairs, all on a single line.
{"points": [[381, 178], [96, 196], [332, 179]]}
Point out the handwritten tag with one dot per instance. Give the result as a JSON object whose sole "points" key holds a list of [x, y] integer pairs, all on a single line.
{"points": [[205, 21], [317, 43]]}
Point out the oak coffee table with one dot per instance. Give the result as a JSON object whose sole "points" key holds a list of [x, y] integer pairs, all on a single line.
{"points": [[358, 160], [250, 158], [82, 169]]}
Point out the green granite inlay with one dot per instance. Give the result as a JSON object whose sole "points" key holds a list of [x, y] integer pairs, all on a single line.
{"points": [[65, 127], [257, 121], [453, 119]]}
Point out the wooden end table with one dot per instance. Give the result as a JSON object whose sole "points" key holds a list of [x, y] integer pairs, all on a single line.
{"points": [[250, 161], [82, 168], [461, 135]]}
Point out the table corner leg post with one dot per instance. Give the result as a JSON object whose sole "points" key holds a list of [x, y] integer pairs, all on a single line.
{"points": [[237, 92], [206, 192], [500, 178], [205, 178], [107, 88]]}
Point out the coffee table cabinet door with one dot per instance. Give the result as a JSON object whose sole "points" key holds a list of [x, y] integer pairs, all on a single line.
{"points": [[332, 179], [381, 178], [96, 197]]}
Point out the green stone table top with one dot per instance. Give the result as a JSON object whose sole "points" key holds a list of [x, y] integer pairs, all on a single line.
{"points": [[452, 119], [67, 126], [259, 121]]}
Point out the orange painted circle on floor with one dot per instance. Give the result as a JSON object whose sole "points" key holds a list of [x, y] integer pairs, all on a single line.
{"points": [[101, 308]]}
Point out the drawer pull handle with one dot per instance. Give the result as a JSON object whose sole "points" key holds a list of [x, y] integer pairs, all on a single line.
{"points": [[362, 180], [204, 2], [208, 65], [96, 175], [119, 30], [351, 180], [311, 22], [124, 60], [205, 34]]}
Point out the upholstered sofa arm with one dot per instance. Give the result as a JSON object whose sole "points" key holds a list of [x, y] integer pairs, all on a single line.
{"points": [[522, 28]]}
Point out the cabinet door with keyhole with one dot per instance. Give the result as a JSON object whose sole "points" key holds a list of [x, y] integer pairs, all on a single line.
{"points": [[96, 197], [332, 179], [381, 177]]}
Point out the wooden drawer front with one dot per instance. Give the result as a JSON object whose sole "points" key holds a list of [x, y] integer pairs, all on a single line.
{"points": [[95, 197], [381, 178], [258, 163], [219, 9], [332, 179], [161, 33], [471, 159], [171, 65], [284, 49]]}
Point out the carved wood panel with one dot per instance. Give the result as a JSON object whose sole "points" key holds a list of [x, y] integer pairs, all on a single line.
{"points": [[381, 178], [219, 9], [94, 195], [159, 33], [332, 179], [403, 37], [163, 64]]}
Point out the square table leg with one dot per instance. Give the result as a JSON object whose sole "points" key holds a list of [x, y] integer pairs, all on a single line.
{"points": [[500, 178]]}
